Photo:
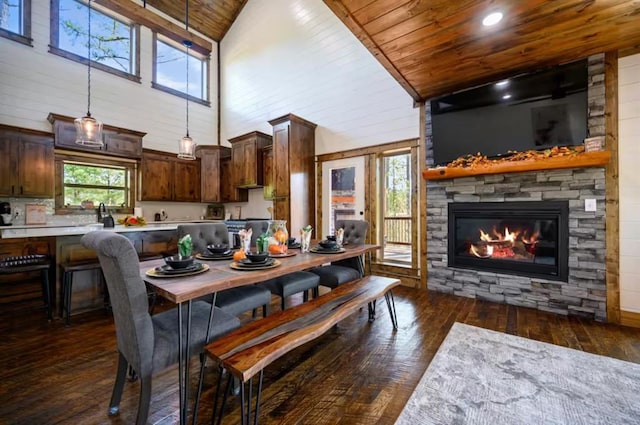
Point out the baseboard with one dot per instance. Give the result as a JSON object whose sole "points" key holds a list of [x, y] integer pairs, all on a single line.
{"points": [[630, 318]]}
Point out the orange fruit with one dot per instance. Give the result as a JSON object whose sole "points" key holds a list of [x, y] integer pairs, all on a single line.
{"points": [[239, 255], [275, 249], [280, 236]]}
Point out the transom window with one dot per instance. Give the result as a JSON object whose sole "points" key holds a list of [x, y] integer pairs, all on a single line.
{"points": [[85, 184], [15, 20], [170, 70], [113, 41]]}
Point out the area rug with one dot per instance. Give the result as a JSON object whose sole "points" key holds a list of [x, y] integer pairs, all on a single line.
{"points": [[485, 377]]}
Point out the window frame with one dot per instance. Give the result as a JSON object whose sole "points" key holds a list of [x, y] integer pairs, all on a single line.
{"points": [[62, 157], [206, 59], [54, 40], [25, 37]]}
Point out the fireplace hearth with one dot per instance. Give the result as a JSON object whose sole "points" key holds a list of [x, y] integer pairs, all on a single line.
{"points": [[521, 238]]}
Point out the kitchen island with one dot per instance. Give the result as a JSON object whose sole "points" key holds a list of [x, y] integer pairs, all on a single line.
{"points": [[62, 244]]}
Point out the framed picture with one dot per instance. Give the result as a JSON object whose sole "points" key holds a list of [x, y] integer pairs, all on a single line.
{"points": [[35, 214]]}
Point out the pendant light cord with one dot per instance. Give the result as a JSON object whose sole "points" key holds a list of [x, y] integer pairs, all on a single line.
{"points": [[89, 59], [187, 43]]}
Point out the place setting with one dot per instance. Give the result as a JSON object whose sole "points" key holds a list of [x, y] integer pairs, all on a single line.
{"points": [[327, 246], [216, 252], [255, 261], [178, 266]]}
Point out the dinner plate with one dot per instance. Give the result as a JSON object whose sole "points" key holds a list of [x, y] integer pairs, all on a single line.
{"points": [[213, 257], [245, 262], [320, 250], [240, 266], [159, 272]]}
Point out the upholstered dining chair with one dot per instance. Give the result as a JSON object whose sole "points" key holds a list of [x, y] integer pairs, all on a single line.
{"points": [[234, 301], [147, 343], [339, 272]]}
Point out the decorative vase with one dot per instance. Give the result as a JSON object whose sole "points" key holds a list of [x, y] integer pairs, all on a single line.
{"points": [[278, 237]]}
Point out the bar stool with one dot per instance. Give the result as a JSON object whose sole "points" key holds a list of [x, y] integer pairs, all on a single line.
{"points": [[68, 269], [30, 264]]}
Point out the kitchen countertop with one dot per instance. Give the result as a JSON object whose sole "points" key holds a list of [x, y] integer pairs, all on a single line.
{"points": [[34, 231]]}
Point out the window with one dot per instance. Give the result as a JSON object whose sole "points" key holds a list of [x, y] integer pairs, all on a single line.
{"points": [[397, 207], [114, 44], [170, 71], [15, 20], [85, 183]]}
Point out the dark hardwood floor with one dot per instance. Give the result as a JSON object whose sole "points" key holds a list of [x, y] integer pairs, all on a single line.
{"points": [[357, 373]]}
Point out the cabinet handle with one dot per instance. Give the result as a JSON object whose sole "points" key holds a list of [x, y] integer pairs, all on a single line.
{"points": [[12, 189], [21, 191]]}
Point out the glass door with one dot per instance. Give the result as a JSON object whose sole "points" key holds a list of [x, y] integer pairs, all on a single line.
{"points": [[342, 192]]}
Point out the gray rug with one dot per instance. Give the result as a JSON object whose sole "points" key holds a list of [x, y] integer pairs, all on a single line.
{"points": [[485, 377]]}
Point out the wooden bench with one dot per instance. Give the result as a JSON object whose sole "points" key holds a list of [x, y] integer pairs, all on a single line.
{"points": [[249, 349]]}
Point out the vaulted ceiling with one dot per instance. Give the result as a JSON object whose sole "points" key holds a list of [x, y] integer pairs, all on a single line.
{"points": [[434, 47]]}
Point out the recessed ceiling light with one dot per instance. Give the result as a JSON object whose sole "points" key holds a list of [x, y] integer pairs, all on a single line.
{"points": [[506, 96], [492, 19], [502, 83]]}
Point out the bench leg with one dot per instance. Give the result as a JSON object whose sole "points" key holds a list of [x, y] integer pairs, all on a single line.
{"points": [[372, 311], [245, 404], [391, 305]]}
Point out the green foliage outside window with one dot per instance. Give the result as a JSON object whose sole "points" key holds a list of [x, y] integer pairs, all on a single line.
{"points": [[95, 184], [398, 185]]}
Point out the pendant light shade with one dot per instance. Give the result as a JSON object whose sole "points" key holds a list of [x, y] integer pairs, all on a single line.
{"points": [[88, 129], [187, 147]]}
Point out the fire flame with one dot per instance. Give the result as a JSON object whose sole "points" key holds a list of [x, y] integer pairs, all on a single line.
{"points": [[507, 237], [504, 244]]}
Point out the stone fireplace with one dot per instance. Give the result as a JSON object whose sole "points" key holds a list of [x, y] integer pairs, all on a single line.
{"points": [[577, 288]]}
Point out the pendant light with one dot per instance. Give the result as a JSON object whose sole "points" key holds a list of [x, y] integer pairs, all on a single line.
{"points": [[88, 129], [187, 146]]}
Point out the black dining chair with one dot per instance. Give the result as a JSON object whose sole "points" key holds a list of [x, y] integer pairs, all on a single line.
{"points": [[234, 301], [339, 272], [147, 343]]}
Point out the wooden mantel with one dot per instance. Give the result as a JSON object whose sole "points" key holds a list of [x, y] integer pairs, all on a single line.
{"points": [[581, 160]]}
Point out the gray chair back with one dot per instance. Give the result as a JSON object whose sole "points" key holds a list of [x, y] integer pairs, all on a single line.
{"points": [[258, 227], [203, 234], [355, 231], [128, 295]]}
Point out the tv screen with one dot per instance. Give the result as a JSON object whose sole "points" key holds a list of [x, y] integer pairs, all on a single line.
{"points": [[531, 111]]}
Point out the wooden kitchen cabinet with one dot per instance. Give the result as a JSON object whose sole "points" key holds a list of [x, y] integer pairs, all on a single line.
{"points": [[246, 157], [26, 163], [210, 171], [267, 172], [165, 177], [229, 192], [293, 171], [117, 141]]}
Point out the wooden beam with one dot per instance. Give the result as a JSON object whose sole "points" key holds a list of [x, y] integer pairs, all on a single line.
{"points": [[157, 23], [612, 220]]}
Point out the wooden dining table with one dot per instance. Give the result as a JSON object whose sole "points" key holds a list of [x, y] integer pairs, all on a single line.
{"points": [[220, 275]]}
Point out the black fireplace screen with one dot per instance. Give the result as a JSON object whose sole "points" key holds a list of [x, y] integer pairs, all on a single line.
{"points": [[527, 238]]}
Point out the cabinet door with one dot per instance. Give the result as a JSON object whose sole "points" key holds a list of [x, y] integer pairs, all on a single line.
{"points": [[239, 163], [36, 165], [250, 164], [186, 182], [156, 178], [122, 144], [281, 175], [267, 172], [228, 190], [281, 211], [210, 175], [8, 162]]}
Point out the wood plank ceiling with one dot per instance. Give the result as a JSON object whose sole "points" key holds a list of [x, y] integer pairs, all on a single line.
{"points": [[434, 47]]}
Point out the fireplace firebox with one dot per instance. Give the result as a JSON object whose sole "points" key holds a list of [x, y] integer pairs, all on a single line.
{"points": [[521, 238]]}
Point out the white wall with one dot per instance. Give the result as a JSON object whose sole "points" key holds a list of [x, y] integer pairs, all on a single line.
{"points": [[629, 145], [34, 82], [283, 56]]}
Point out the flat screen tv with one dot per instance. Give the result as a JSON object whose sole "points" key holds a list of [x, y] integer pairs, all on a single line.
{"points": [[531, 111]]}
